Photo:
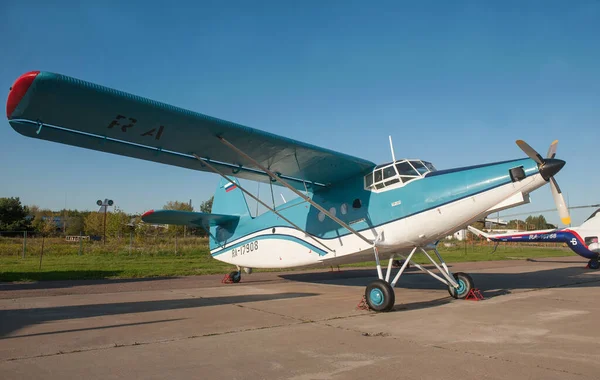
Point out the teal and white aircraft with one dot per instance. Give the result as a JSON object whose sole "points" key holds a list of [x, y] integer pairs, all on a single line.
{"points": [[348, 209]]}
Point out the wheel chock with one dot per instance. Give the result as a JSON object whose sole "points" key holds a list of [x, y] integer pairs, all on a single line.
{"points": [[474, 295], [363, 305], [227, 279]]}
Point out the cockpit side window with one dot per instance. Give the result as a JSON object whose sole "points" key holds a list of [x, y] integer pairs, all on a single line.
{"points": [[389, 172], [368, 180]]}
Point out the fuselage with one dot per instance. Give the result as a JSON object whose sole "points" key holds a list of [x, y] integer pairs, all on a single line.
{"points": [[400, 217]]}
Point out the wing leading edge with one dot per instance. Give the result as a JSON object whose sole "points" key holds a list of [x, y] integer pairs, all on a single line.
{"points": [[62, 109]]}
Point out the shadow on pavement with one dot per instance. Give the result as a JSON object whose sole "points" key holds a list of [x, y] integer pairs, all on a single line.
{"points": [[501, 283], [14, 319]]}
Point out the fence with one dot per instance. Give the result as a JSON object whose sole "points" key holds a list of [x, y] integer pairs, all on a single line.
{"points": [[25, 244]]}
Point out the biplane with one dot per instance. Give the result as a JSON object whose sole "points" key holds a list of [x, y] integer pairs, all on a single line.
{"points": [[582, 240], [347, 209]]}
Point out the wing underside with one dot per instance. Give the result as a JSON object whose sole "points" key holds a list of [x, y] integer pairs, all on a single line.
{"points": [[62, 109]]}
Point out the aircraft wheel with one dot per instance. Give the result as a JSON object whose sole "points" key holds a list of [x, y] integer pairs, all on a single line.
{"points": [[594, 264], [399, 263], [235, 277], [380, 296], [465, 284]]}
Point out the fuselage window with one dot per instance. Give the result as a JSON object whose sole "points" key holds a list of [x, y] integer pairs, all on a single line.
{"points": [[591, 240]]}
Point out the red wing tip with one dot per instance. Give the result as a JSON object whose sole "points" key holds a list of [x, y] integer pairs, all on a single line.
{"points": [[147, 213], [18, 90]]}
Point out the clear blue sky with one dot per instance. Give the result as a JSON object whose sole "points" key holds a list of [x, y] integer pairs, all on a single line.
{"points": [[455, 83]]}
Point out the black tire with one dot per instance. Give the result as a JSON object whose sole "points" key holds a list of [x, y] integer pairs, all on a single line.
{"points": [[399, 263], [235, 277], [465, 283], [380, 296], [594, 264]]}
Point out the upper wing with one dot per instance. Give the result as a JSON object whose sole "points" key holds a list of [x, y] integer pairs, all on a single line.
{"points": [[187, 218], [87, 115]]}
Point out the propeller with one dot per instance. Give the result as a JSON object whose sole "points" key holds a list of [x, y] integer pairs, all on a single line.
{"points": [[548, 167]]}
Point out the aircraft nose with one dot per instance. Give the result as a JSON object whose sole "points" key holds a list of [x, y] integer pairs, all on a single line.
{"points": [[550, 167]]}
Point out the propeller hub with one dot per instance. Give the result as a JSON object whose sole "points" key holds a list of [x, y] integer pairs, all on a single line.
{"points": [[550, 167]]}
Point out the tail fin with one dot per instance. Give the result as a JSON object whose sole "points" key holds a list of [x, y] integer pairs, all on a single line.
{"points": [[230, 200]]}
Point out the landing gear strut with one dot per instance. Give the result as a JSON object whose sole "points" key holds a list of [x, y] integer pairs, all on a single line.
{"points": [[380, 296]]}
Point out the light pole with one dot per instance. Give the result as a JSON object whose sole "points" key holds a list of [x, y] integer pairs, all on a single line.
{"points": [[104, 207]]}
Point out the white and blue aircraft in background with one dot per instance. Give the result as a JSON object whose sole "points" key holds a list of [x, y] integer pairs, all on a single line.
{"points": [[582, 240], [348, 209]]}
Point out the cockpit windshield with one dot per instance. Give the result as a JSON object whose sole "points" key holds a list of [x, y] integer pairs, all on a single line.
{"points": [[397, 173]]}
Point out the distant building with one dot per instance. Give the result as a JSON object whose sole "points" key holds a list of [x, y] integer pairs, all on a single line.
{"points": [[58, 221], [458, 235]]}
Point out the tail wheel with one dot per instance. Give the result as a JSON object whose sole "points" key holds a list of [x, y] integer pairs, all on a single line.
{"points": [[235, 277], [594, 264], [380, 296], [465, 284]]}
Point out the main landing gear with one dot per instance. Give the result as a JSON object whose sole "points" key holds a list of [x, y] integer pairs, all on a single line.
{"points": [[380, 296], [232, 277], [594, 264]]}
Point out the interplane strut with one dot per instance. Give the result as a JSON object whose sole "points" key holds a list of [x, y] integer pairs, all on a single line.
{"points": [[205, 162], [306, 198]]}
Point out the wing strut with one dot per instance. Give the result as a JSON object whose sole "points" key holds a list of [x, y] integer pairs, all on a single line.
{"points": [[205, 162], [284, 183]]}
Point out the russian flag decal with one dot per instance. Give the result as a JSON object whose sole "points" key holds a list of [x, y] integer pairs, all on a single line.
{"points": [[230, 186]]}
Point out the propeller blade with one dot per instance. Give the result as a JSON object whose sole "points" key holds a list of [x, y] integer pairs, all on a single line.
{"points": [[530, 152], [559, 200], [552, 149]]}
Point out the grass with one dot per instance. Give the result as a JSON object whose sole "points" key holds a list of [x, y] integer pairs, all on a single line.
{"points": [[156, 257]]}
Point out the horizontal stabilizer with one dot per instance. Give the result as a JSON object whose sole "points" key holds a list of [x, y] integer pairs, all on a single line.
{"points": [[187, 218]]}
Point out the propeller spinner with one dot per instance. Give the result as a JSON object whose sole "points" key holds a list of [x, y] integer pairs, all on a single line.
{"points": [[548, 167]]}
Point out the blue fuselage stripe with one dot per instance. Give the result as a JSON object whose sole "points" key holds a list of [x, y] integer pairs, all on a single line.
{"points": [[572, 240], [294, 239]]}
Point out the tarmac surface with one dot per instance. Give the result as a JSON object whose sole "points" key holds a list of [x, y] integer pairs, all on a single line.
{"points": [[539, 321]]}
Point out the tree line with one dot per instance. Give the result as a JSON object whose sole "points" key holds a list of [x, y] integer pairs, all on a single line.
{"points": [[16, 218]]}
